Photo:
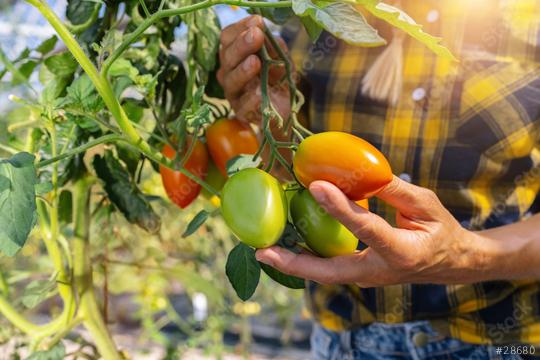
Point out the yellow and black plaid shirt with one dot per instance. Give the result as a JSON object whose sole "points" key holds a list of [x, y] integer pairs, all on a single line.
{"points": [[470, 131]]}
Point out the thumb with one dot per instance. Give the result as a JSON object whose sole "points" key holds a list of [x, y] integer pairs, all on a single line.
{"points": [[366, 226], [410, 200]]}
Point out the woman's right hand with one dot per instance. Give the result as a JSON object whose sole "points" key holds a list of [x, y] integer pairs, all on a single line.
{"points": [[240, 69]]}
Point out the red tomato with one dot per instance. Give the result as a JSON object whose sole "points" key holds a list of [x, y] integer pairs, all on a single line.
{"points": [[352, 164], [181, 189], [227, 139]]}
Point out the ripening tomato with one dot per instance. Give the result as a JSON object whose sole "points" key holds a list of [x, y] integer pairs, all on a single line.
{"points": [[254, 207], [181, 189], [321, 232], [352, 164], [227, 139]]}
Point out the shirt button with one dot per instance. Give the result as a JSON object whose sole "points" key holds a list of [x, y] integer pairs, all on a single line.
{"points": [[433, 16], [420, 339], [418, 94], [405, 177]]}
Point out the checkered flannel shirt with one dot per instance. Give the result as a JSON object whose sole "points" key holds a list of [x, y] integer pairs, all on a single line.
{"points": [[470, 131]]}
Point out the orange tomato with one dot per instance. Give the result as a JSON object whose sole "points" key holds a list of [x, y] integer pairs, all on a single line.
{"points": [[227, 139], [352, 164], [181, 189]]}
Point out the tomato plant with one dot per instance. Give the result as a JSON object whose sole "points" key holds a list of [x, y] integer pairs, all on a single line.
{"points": [[254, 207], [110, 98], [181, 189], [350, 163], [228, 139]]}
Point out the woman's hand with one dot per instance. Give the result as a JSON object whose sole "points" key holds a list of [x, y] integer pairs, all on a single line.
{"points": [[240, 68], [428, 246]]}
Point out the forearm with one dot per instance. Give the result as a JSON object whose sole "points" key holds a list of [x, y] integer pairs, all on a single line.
{"points": [[511, 252]]}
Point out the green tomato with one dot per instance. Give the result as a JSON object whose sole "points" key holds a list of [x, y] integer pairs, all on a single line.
{"points": [[254, 207], [321, 232]]}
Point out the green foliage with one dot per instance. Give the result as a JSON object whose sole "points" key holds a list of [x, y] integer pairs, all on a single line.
{"points": [[57, 352], [243, 270], [398, 18], [196, 223], [17, 201], [38, 291], [124, 193], [339, 19], [242, 162], [289, 281]]}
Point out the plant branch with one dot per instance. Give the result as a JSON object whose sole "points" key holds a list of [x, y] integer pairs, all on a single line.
{"points": [[101, 140]]}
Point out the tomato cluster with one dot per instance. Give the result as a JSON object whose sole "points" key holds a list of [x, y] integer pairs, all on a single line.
{"points": [[255, 207], [254, 204], [225, 139]]}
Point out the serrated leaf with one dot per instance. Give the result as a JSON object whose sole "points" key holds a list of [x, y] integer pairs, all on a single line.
{"points": [[341, 20], [196, 223], [17, 201], [242, 162], [243, 270], [125, 194], [78, 11], [48, 45], [38, 291], [123, 67], [57, 352], [289, 281], [63, 64], [278, 16], [398, 18]]}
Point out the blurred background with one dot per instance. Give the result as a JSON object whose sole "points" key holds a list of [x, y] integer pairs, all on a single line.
{"points": [[164, 296]]}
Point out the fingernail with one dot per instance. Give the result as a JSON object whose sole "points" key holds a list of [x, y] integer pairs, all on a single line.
{"points": [[248, 63], [254, 21], [261, 258], [318, 193], [249, 36]]}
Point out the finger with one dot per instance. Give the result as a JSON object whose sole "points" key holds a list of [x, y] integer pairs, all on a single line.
{"points": [[337, 270], [235, 81], [247, 43], [413, 201], [231, 32], [366, 226]]}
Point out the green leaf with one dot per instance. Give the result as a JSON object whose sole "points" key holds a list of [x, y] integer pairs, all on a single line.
{"points": [[44, 188], [289, 281], [38, 291], [18, 77], [401, 20], [123, 67], [196, 223], [83, 95], [207, 38], [48, 45], [63, 64], [57, 352], [78, 11], [243, 270], [313, 29], [17, 201], [124, 193], [242, 162], [341, 20], [276, 15]]}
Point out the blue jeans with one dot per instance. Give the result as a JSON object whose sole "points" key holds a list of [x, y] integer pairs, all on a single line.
{"points": [[414, 341]]}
